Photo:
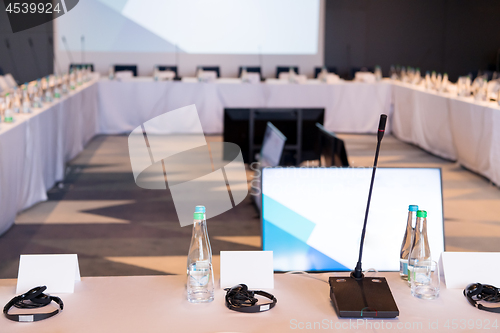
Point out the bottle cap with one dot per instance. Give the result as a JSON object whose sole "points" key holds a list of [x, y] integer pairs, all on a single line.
{"points": [[199, 209], [413, 208], [198, 216], [421, 213]]}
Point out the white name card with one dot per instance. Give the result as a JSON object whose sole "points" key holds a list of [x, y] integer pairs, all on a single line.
{"points": [[462, 268], [56, 271], [253, 268]]}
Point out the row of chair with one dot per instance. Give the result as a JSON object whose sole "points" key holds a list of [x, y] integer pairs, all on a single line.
{"points": [[250, 69]]}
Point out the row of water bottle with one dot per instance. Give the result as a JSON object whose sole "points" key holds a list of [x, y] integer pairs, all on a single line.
{"points": [[33, 95]]}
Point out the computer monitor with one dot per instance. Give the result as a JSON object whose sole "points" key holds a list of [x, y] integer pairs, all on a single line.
{"points": [[312, 217], [272, 146], [332, 150], [237, 130]]}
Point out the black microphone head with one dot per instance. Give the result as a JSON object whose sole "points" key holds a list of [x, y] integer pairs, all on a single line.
{"points": [[381, 126], [383, 121]]}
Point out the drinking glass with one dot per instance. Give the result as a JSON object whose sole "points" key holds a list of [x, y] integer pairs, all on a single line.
{"points": [[425, 280]]}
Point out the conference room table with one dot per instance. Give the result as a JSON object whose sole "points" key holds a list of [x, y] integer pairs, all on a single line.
{"points": [[36, 146], [455, 128], [350, 107], [158, 304]]}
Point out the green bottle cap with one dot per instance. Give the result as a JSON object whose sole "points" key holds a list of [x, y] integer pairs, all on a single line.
{"points": [[421, 213], [198, 216]]}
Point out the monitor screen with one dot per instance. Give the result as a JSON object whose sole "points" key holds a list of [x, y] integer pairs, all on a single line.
{"points": [[191, 26], [272, 146], [312, 217]]}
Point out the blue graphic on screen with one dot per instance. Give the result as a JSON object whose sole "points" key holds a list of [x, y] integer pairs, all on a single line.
{"points": [[286, 233], [312, 217]]}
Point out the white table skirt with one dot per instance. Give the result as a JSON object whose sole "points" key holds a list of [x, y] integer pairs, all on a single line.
{"points": [[454, 128], [422, 118], [350, 107], [35, 148]]}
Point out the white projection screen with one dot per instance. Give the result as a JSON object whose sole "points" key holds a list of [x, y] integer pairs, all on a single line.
{"points": [[188, 33]]}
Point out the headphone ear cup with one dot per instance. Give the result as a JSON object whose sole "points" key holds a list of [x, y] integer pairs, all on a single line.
{"points": [[41, 299], [474, 289], [34, 293]]}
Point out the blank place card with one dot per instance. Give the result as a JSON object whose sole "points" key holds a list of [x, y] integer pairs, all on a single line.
{"points": [[463, 268], [56, 271], [253, 268]]}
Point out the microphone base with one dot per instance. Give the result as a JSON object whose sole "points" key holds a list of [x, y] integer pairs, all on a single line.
{"points": [[368, 297]]}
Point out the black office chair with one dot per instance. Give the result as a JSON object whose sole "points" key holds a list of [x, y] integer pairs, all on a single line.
{"points": [[120, 68], [212, 69], [249, 70], [80, 66], [168, 68], [318, 70], [354, 70], [331, 149], [1, 71], [286, 69]]}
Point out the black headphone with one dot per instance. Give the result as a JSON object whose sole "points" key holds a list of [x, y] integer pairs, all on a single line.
{"points": [[239, 298], [35, 298], [482, 292]]}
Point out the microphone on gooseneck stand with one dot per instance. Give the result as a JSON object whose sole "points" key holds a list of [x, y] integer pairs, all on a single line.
{"points": [[358, 273], [358, 296], [83, 49], [51, 43], [35, 57], [67, 50], [14, 65]]}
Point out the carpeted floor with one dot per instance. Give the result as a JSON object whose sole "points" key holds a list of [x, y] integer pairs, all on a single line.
{"points": [[117, 228]]}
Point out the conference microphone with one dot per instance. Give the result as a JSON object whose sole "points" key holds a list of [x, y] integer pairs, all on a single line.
{"points": [[30, 42], [14, 65], [82, 39], [357, 296], [67, 49], [51, 43], [358, 273]]}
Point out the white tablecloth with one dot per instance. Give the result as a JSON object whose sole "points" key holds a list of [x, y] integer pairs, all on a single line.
{"points": [[158, 304], [422, 118], [35, 147], [349, 106], [456, 128]]}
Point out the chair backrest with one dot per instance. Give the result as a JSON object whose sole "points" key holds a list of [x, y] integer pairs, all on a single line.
{"points": [[318, 70], [1, 71], [280, 69], [332, 149], [354, 70], [132, 68], [80, 66], [168, 68], [249, 70], [212, 69]]}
